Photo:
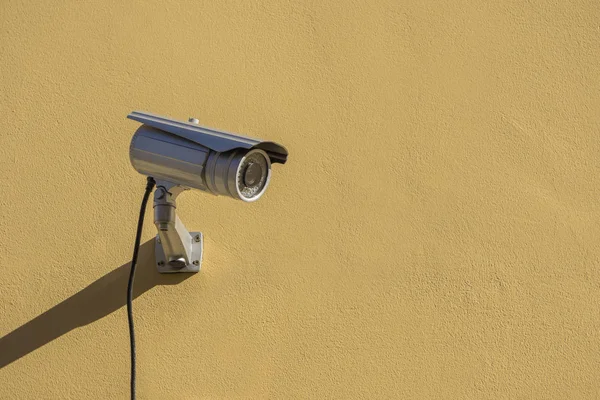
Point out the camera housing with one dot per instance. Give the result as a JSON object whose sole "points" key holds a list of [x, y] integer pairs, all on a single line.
{"points": [[202, 158], [184, 155]]}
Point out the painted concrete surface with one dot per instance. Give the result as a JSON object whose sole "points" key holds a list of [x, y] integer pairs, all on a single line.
{"points": [[434, 234]]}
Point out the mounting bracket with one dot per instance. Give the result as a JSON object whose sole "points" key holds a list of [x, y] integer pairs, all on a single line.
{"points": [[176, 249]]}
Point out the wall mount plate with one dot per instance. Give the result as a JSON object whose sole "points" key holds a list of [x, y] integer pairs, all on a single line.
{"points": [[176, 266]]}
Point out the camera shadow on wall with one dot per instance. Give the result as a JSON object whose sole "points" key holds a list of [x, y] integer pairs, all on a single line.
{"points": [[94, 302]]}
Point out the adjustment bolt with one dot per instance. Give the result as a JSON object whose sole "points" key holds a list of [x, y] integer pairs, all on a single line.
{"points": [[196, 262], [177, 264], [197, 238], [160, 193]]}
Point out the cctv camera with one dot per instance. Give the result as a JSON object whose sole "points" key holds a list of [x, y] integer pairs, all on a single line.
{"points": [[193, 156], [184, 155]]}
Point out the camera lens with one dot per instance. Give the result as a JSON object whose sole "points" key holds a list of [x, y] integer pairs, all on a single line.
{"points": [[239, 174], [253, 174]]}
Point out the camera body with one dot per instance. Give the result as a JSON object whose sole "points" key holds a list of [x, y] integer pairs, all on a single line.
{"points": [[201, 158], [184, 155]]}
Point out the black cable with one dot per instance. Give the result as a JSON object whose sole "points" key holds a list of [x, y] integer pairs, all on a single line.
{"points": [[149, 186]]}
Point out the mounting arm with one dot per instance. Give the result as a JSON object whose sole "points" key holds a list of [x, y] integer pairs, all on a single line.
{"points": [[176, 249]]}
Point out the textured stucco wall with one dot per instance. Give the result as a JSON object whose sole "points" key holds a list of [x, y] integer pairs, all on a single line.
{"points": [[434, 234]]}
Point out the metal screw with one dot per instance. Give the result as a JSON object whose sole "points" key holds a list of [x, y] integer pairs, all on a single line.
{"points": [[194, 121], [161, 263], [197, 238], [196, 262]]}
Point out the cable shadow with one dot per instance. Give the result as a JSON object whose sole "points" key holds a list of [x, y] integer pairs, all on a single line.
{"points": [[94, 302]]}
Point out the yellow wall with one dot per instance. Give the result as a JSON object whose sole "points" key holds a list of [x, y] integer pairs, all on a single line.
{"points": [[434, 234]]}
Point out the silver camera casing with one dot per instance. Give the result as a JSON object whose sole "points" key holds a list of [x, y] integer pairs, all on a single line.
{"points": [[194, 156], [184, 155]]}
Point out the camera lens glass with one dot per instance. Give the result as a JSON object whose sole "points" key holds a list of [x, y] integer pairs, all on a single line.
{"points": [[252, 176]]}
